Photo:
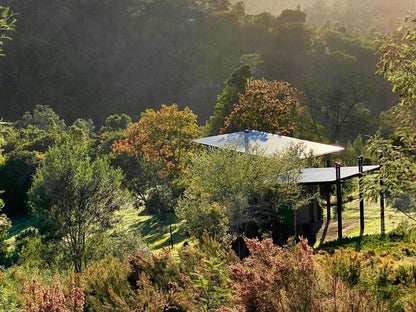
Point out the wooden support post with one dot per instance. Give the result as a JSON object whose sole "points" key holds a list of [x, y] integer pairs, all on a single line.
{"points": [[382, 221], [360, 186], [339, 198], [328, 198], [246, 140], [328, 204], [171, 236]]}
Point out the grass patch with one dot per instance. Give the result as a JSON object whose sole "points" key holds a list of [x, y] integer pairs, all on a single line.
{"points": [[399, 241], [372, 226], [155, 231]]}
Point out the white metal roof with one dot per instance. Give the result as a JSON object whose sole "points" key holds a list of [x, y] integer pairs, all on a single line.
{"points": [[328, 175], [268, 143]]}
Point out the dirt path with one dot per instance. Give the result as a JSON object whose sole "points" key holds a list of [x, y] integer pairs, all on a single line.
{"points": [[332, 231]]}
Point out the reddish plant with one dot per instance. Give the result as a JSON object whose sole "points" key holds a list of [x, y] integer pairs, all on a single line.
{"points": [[274, 278], [56, 298]]}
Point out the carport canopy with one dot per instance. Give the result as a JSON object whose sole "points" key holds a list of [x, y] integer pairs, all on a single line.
{"points": [[268, 143], [328, 175]]}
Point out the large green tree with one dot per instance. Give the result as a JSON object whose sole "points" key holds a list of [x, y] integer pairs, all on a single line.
{"points": [[74, 196]]}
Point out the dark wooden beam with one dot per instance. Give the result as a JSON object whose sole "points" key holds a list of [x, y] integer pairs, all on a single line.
{"points": [[360, 186], [382, 221], [339, 198]]}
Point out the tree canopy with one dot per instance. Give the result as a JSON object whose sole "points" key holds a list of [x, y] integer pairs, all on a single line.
{"points": [[164, 136], [266, 106], [73, 197]]}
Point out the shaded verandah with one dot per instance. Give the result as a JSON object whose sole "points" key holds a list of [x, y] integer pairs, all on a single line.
{"points": [[330, 176]]}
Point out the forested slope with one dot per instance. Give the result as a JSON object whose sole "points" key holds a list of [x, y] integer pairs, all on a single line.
{"points": [[94, 58]]}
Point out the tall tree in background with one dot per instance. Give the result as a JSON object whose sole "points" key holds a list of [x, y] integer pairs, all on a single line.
{"points": [[234, 85], [341, 90], [74, 196], [265, 106]]}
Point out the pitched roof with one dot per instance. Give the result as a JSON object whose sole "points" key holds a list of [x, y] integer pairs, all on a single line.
{"points": [[268, 143]]}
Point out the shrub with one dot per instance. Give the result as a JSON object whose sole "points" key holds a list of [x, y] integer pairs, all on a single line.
{"points": [[106, 286], [274, 278], [55, 298]]}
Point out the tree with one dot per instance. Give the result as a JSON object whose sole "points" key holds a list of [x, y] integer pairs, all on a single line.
{"points": [[234, 85], [399, 167], [43, 117], [265, 106], [164, 136], [227, 190], [74, 196], [398, 65], [7, 23], [116, 122]]}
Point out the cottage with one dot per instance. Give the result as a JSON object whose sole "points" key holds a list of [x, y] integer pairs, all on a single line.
{"points": [[307, 220]]}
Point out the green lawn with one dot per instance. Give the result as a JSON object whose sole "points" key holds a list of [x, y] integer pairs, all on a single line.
{"points": [[372, 225], [154, 230]]}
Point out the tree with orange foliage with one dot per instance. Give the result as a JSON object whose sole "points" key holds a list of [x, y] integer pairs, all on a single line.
{"points": [[164, 136], [265, 106]]}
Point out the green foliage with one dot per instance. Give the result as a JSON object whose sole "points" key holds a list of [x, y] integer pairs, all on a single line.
{"points": [[398, 169], [7, 24], [199, 280], [234, 85], [74, 196], [15, 179], [234, 188], [116, 122], [349, 157], [43, 118], [204, 217], [86, 126], [341, 89], [212, 284], [106, 286], [140, 175], [5, 225], [397, 64], [187, 49]]}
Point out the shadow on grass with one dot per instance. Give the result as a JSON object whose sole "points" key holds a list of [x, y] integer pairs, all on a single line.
{"points": [[370, 241], [156, 230], [20, 223]]}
